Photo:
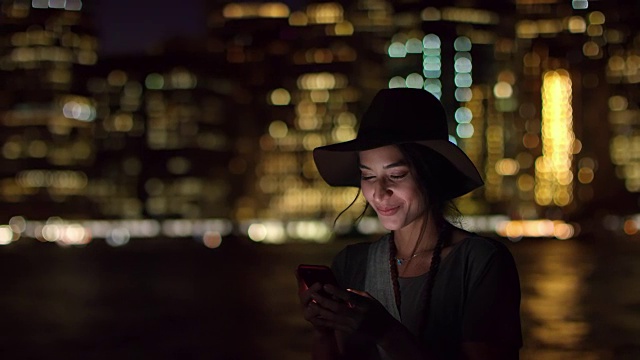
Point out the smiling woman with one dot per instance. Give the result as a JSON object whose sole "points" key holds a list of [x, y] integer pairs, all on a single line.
{"points": [[428, 289], [134, 26]]}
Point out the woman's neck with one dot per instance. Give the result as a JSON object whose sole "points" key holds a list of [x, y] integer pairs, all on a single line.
{"points": [[412, 239]]}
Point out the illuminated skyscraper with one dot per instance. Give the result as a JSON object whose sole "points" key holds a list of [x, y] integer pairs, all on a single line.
{"points": [[167, 134], [462, 53], [47, 118], [563, 95], [306, 96]]}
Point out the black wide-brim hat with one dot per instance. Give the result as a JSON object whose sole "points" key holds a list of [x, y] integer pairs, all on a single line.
{"points": [[396, 116]]}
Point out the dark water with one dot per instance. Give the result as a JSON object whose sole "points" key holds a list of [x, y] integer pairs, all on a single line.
{"points": [[176, 299]]}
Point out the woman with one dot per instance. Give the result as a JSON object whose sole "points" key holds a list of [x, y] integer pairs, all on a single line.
{"points": [[427, 289]]}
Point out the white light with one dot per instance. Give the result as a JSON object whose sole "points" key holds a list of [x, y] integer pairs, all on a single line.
{"points": [[465, 131], [257, 232], [415, 81], [580, 4], [463, 80], [6, 235], [397, 82], [463, 115], [413, 46], [73, 5], [118, 237], [397, 50], [57, 4], [463, 65]]}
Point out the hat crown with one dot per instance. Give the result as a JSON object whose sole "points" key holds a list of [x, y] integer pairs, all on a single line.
{"points": [[405, 114]]}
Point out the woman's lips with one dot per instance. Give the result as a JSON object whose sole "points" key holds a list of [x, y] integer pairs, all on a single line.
{"points": [[387, 211]]}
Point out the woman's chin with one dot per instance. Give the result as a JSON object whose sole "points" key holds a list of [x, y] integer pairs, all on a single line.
{"points": [[387, 224]]}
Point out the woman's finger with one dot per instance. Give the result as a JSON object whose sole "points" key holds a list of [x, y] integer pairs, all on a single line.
{"points": [[336, 292], [335, 305], [345, 322], [306, 296]]}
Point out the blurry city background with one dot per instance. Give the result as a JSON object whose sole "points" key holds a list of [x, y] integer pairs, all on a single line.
{"points": [[149, 143], [209, 132]]}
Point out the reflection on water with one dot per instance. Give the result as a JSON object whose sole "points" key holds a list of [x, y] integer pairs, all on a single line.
{"points": [[569, 297], [171, 299], [553, 286]]}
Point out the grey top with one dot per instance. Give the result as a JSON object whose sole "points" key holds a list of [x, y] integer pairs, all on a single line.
{"points": [[413, 292], [476, 294]]}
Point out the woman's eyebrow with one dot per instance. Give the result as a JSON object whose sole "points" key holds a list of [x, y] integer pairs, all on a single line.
{"points": [[388, 166]]}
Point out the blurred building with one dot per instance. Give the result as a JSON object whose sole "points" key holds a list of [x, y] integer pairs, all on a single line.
{"points": [[301, 66], [47, 117], [167, 130], [542, 96]]}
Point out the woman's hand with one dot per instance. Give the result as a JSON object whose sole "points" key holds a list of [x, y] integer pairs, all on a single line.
{"points": [[310, 310], [350, 312]]}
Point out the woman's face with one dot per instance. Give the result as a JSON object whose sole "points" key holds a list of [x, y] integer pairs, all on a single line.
{"points": [[390, 187]]}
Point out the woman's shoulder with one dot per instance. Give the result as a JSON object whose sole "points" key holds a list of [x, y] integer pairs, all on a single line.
{"points": [[479, 247]]}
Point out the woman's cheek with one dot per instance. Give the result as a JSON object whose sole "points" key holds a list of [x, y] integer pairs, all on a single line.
{"points": [[366, 190]]}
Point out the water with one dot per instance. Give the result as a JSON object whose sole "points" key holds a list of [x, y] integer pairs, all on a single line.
{"points": [[168, 299]]}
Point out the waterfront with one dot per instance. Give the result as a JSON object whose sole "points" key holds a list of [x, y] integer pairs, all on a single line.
{"points": [[176, 299]]}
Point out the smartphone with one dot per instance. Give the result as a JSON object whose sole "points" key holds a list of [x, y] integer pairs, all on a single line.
{"points": [[312, 274]]}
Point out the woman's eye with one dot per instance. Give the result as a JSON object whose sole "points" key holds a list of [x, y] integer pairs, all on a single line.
{"points": [[366, 177], [398, 176]]}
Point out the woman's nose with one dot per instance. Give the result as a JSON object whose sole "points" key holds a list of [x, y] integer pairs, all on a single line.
{"points": [[381, 190]]}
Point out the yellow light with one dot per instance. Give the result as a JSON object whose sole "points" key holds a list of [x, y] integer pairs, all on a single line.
{"points": [[343, 133], [585, 175], [525, 182], [312, 141], [344, 28], [507, 167], [591, 49], [123, 122], [527, 29], [280, 97], [325, 13], [502, 90], [577, 24], [117, 78], [321, 81], [298, 18], [596, 18], [554, 176], [618, 103], [273, 10], [278, 129], [319, 96], [430, 14], [469, 15]]}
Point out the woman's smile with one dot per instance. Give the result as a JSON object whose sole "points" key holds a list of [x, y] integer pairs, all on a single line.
{"points": [[390, 188], [387, 211]]}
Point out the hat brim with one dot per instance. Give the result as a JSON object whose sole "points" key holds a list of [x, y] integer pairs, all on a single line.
{"points": [[338, 164]]}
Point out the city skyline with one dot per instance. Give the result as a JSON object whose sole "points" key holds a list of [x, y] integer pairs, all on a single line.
{"points": [[222, 128]]}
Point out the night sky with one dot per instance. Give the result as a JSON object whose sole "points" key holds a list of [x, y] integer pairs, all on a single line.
{"points": [[132, 26]]}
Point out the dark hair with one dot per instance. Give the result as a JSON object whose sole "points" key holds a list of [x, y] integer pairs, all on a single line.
{"points": [[434, 176]]}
